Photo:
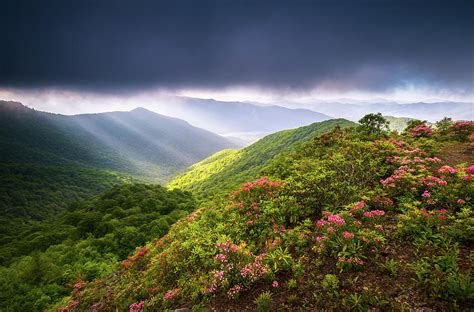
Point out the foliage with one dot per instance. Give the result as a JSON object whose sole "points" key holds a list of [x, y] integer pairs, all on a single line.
{"points": [[86, 242], [373, 124], [264, 302], [43, 191]]}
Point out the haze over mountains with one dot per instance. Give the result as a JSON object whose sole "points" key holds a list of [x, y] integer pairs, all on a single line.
{"points": [[354, 110], [238, 118]]}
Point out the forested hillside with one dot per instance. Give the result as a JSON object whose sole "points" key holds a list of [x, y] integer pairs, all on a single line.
{"points": [[354, 219], [227, 169], [42, 259], [139, 142]]}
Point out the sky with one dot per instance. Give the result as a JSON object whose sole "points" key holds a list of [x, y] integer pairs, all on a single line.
{"points": [[101, 53]]}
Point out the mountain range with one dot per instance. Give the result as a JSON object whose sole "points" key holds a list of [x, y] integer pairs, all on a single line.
{"points": [[423, 111], [237, 118], [139, 142]]}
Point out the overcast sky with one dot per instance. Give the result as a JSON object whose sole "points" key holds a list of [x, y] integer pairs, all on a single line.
{"points": [[247, 49]]}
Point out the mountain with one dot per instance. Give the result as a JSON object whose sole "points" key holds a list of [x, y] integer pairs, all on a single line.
{"points": [[397, 123], [139, 142], [424, 111], [232, 118], [228, 168]]}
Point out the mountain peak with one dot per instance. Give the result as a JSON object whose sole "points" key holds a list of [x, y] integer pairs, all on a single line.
{"points": [[13, 106], [140, 110]]}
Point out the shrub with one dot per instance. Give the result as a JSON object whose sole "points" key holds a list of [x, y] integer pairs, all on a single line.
{"points": [[264, 302]]}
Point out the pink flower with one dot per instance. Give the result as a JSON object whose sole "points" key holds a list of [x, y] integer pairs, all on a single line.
{"points": [[358, 206], [78, 285], [171, 294], [234, 291], [426, 194], [321, 223], [461, 201], [373, 213], [331, 229], [470, 169], [357, 223], [321, 238], [347, 235], [339, 221], [137, 307], [447, 169], [275, 284]]}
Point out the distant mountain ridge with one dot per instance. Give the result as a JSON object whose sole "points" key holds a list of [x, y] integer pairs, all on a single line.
{"points": [[424, 111], [238, 117], [140, 142]]}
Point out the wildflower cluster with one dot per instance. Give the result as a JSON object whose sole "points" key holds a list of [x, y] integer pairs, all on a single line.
{"points": [[262, 183], [348, 235], [137, 307], [421, 130], [76, 296], [462, 130], [135, 260], [171, 294], [235, 268]]}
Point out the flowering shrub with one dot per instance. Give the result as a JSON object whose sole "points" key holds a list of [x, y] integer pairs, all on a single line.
{"points": [[234, 269], [462, 130], [171, 294], [137, 307], [421, 130], [137, 260], [421, 224], [348, 235]]}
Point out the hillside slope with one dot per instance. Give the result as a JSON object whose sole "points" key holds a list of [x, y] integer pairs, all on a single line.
{"points": [[346, 222], [225, 170], [397, 123]]}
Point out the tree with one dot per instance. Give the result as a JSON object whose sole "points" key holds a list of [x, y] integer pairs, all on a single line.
{"points": [[373, 124], [443, 126]]}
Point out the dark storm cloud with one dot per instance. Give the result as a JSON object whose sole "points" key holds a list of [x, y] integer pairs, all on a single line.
{"points": [[370, 45]]}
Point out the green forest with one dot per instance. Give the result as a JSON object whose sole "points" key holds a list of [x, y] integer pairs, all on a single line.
{"points": [[44, 258]]}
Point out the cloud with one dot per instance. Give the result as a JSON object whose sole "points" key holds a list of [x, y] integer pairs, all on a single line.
{"points": [[116, 46]]}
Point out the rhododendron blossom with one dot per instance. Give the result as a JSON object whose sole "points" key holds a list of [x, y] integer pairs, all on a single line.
{"points": [[234, 291], [347, 235], [172, 293], [337, 220], [447, 169], [137, 307]]}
